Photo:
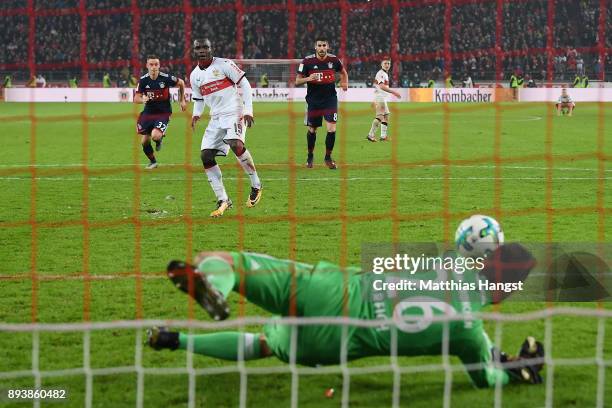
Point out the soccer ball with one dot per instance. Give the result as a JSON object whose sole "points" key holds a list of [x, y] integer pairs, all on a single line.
{"points": [[478, 236]]}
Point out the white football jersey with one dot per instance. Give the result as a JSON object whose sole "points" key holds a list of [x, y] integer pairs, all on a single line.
{"points": [[565, 99], [381, 78], [216, 87]]}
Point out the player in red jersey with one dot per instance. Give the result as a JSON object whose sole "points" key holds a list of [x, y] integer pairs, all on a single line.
{"points": [[154, 92], [318, 72]]}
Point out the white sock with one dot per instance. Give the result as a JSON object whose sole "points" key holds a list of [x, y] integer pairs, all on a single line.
{"points": [[374, 128], [246, 161], [215, 178], [383, 131]]}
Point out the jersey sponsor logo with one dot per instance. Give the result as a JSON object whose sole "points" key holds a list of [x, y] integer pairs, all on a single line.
{"points": [[325, 76], [158, 94], [214, 86]]}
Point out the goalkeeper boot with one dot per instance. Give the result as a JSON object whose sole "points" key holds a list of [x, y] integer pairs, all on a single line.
{"points": [[161, 338], [310, 160], [195, 284], [527, 365], [254, 197], [533, 349], [222, 206], [330, 163]]}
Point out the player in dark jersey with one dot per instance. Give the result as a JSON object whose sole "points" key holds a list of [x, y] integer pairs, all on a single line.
{"points": [[154, 91], [318, 71], [327, 290]]}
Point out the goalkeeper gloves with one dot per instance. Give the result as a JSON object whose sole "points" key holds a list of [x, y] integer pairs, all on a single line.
{"points": [[524, 369]]}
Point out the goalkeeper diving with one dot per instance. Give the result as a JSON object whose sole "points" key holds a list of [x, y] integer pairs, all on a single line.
{"points": [[288, 288]]}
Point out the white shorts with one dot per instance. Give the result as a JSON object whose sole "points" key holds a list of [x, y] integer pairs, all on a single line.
{"points": [[381, 106], [220, 130]]}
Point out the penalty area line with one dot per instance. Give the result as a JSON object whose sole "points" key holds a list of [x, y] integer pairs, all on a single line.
{"points": [[458, 166]]}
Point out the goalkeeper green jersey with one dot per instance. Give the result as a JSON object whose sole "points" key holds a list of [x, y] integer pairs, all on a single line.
{"points": [[326, 290]]}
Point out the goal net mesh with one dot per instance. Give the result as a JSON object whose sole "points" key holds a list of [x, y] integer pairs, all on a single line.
{"points": [[85, 39]]}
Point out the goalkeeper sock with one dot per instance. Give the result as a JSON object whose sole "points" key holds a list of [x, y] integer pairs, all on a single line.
{"points": [[219, 273], [383, 130], [311, 139], [246, 161], [148, 151], [215, 178], [330, 140], [374, 128], [223, 345]]}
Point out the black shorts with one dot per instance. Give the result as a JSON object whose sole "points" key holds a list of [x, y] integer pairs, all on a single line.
{"points": [[327, 109], [149, 121]]}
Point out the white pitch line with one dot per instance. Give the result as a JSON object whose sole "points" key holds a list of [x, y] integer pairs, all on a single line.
{"points": [[126, 179], [43, 277], [477, 166]]}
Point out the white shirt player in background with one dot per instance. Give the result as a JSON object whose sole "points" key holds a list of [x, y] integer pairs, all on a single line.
{"points": [[565, 104], [381, 93], [214, 84], [467, 82]]}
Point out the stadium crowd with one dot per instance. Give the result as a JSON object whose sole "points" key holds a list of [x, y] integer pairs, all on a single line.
{"points": [[421, 36]]}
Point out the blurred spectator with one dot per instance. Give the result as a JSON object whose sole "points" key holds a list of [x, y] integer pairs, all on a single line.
{"points": [[41, 82], [58, 38], [467, 82], [263, 81], [421, 34], [133, 82], [265, 34]]}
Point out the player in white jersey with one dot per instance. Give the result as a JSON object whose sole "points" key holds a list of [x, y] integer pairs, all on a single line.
{"points": [[565, 104], [214, 84], [381, 93]]}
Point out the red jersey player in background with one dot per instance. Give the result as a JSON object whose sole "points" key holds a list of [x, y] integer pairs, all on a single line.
{"points": [[318, 72], [154, 91]]}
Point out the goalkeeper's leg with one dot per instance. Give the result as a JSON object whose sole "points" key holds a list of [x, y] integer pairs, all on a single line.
{"points": [[233, 346], [273, 284]]}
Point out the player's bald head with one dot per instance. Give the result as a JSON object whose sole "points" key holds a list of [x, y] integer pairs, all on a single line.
{"points": [[202, 42]]}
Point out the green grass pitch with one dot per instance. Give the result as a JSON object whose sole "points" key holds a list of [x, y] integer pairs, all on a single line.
{"points": [[123, 220]]}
